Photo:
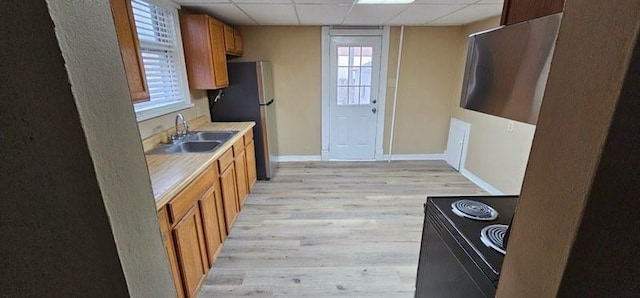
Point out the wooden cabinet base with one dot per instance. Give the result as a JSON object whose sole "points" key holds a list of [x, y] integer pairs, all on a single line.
{"points": [[191, 251], [196, 222]]}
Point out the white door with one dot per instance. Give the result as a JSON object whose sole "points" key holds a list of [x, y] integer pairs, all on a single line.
{"points": [[355, 73], [458, 133]]}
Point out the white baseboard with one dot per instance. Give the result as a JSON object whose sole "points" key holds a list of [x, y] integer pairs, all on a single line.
{"points": [[324, 155], [481, 183], [439, 156], [297, 158]]}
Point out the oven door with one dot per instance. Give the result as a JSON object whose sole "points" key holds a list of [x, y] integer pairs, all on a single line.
{"points": [[445, 269]]}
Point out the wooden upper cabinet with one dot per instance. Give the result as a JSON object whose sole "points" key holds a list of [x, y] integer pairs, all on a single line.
{"points": [[516, 11], [130, 49], [237, 41], [204, 51], [232, 41], [229, 40]]}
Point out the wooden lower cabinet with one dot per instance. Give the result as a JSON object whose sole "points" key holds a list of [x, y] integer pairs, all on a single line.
{"points": [[240, 162], [191, 250], [222, 224], [250, 153], [167, 239], [196, 222], [229, 195], [210, 225]]}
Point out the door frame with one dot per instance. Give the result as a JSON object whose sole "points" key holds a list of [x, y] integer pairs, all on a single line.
{"points": [[327, 32]]}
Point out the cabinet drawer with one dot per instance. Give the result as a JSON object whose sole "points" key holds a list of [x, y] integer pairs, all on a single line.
{"points": [[190, 195], [225, 160], [238, 147], [248, 137]]}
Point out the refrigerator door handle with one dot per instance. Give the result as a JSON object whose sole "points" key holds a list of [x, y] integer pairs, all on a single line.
{"points": [[268, 103]]}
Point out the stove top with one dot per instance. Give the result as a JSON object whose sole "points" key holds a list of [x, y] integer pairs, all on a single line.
{"points": [[469, 231], [493, 236], [474, 210]]}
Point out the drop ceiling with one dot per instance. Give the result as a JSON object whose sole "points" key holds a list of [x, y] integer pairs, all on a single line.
{"points": [[346, 12]]}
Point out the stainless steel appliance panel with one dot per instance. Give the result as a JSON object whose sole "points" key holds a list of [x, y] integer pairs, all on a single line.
{"points": [[265, 81], [249, 97], [507, 69]]}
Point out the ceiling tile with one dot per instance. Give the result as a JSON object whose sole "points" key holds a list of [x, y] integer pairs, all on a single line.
{"points": [[324, 1], [446, 1], [422, 14], [469, 14], [372, 14], [193, 2], [322, 14], [227, 13], [262, 1], [271, 14]]}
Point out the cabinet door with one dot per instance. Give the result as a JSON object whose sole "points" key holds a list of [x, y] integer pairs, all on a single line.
{"points": [[241, 178], [250, 152], [203, 42], [229, 196], [210, 223], [130, 50], [222, 224], [167, 239], [218, 54], [191, 250], [237, 41], [516, 11], [229, 41]]}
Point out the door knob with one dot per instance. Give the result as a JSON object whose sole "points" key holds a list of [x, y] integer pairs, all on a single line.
{"points": [[374, 110], [374, 101]]}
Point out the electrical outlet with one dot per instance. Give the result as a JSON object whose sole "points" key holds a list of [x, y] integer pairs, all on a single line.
{"points": [[510, 126]]}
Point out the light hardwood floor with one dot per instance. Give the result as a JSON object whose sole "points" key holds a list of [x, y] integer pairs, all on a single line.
{"points": [[332, 229]]}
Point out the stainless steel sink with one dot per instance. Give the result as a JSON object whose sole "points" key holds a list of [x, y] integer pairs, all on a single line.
{"points": [[221, 136], [188, 147], [196, 142]]}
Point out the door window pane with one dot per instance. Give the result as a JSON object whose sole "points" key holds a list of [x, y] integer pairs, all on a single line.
{"points": [[367, 56], [365, 95], [365, 76], [343, 95], [354, 94], [343, 56], [354, 75], [343, 76]]}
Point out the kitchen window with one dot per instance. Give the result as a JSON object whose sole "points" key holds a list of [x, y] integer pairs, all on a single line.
{"points": [[158, 29]]}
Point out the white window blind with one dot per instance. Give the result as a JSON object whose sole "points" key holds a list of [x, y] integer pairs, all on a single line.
{"points": [[157, 29]]}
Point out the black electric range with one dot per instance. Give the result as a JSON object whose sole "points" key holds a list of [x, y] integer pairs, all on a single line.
{"points": [[454, 261]]}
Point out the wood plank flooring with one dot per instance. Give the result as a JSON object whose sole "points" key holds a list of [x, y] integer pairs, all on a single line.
{"points": [[332, 229]]}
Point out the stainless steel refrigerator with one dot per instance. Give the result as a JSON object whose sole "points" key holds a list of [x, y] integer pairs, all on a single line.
{"points": [[249, 97]]}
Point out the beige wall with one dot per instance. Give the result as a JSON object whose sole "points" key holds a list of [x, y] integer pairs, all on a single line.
{"points": [[581, 182], [427, 83], [295, 55], [164, 122], [428, 72], [494, 155]]}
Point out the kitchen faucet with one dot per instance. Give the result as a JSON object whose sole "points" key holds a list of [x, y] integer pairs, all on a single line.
{"points": [[185, 129]]}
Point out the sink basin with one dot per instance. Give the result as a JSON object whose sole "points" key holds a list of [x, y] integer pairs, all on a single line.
{"points": [[188, 147], [211, 135]]}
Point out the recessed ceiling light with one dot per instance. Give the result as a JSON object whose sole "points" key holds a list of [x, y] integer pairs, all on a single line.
{"points": [[385, 1]]}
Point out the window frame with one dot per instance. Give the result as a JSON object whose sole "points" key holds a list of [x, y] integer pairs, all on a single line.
{"points": [[147, 110]]}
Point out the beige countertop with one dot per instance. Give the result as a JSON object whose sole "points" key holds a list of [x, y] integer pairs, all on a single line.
{"points": [[170, 173]]}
